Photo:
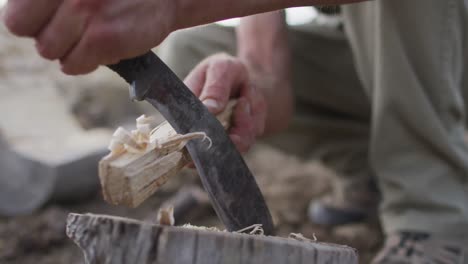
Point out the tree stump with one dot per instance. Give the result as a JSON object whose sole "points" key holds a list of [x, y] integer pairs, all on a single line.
{"points": [[107, 239]]}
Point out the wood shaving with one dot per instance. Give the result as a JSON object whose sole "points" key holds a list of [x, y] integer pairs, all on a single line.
{"points": [[204, 228], [166, 216], [256, 229], [302, 238], [140, 140]]}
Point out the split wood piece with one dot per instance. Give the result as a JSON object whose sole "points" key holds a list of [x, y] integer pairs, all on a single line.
{"points": [[106, 239], [189, 203], [132, 173]]}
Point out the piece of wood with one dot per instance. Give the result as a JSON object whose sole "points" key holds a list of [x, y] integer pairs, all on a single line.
{"points": [[140, 163], [189, 203], [106, 239]]}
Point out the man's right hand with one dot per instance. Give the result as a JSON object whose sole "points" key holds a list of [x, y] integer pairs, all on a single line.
{"points": [[84, 34], [222, 77]]}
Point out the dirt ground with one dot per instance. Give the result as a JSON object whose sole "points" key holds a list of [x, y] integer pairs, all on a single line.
{"points": [[287, 182], [288, 185]]}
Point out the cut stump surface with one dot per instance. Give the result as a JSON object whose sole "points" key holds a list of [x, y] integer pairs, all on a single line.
{"points": [[107, 239]]}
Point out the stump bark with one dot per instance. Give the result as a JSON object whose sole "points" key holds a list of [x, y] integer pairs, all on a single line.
{"points": [[106, 239]]}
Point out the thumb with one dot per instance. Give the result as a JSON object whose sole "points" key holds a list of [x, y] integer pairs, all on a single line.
{"points": [[222, 80], [195, 80]]}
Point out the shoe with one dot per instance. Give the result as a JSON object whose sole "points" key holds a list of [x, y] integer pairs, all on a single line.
{"points": [[323, 214], [419, 248], [350, 202]]}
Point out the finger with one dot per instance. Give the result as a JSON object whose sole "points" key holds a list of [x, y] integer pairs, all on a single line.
{"points": [[195, 80], [222, 79], [92, 50], [243, 127], [27, 18], [240, 145], [62, 32], [79, 62], [91, 5]]}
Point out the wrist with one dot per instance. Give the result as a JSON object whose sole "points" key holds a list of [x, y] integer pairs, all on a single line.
{"points": [[276, 90], [191, 13]]}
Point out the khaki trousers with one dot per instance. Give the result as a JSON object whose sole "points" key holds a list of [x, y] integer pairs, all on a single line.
{"points": [[409, 59], [410, 55]]}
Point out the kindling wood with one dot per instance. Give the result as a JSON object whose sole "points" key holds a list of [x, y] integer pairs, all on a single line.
{"points": [[143, 160]]}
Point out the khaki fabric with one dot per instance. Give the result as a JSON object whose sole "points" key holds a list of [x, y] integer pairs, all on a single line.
{"points": [[410, 57]]}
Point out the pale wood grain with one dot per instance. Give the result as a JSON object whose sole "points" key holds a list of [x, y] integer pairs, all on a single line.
{"points": [[129, 178], [106, 239]]}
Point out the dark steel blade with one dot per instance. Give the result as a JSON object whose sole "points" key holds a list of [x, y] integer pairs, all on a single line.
{"points": [[233, 191]]}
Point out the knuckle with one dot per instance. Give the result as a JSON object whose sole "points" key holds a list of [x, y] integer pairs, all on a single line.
{"points": [[219, 66], [101, 36], [215, 88], [15, 25], [44, 48]]}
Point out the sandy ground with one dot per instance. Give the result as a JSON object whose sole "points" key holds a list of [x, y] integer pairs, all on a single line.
{"points": [[288, 187], [288, 183]]}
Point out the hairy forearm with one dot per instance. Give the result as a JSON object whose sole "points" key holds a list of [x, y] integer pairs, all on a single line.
{"points": [[206, 11], [263, 46]]}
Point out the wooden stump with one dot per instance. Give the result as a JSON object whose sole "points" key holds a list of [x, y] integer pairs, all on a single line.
{"points": [[106, 239]]}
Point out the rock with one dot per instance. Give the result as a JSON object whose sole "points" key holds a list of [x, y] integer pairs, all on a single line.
{"points": [[44, 152]]}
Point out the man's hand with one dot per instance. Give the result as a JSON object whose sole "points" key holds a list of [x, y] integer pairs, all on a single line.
{"points": [[84, 34], [221, 77]]}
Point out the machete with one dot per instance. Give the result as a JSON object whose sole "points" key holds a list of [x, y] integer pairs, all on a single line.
{"points": [[231, 187]]}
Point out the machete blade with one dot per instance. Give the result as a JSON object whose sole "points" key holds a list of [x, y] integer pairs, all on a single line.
{"points": [[233, 190]]}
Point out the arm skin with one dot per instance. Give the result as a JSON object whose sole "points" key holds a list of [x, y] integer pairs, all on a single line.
{"points": [[206, 11], [264, 48], [83, 34]]}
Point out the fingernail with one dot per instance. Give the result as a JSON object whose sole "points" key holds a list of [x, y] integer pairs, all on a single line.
{"points": [[247, 108], [211, 104]]}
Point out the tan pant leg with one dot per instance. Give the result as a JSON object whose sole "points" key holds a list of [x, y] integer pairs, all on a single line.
{"points": [[184, 49], [410, 55], [332, 113]]}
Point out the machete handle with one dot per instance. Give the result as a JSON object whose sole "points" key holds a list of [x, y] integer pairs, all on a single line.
{"points": [[133, 69]]}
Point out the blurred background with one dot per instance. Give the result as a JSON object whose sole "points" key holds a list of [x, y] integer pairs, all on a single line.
{"points": [[55, 128]]}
